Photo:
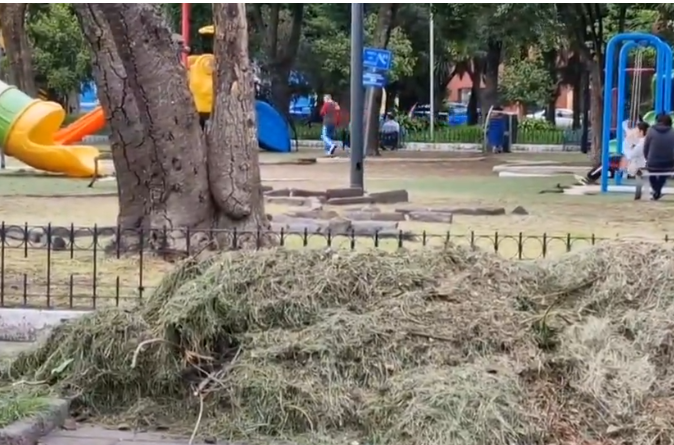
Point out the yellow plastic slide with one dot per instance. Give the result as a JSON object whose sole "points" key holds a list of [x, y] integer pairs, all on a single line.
{"points": [[27, 129]]}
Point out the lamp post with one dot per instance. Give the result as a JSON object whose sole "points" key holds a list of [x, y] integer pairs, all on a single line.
{"points": [[431, 69], [357, 102]]}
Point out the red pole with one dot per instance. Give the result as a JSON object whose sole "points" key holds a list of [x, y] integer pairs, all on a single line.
{"points": [[185, 28]]}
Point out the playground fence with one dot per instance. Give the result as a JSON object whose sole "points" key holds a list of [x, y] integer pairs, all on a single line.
{"points": [[84, 267]]}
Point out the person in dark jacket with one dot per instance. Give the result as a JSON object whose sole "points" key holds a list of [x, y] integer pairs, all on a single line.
{"points": [[659, 152]]}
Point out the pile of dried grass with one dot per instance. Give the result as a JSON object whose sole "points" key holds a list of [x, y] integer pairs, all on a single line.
{"points": [[430, 347]]}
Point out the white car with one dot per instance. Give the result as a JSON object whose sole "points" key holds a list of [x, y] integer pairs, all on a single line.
{"points": [[563, 117]]}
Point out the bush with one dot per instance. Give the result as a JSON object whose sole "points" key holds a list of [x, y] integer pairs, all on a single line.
{"points": [[528, 124]]}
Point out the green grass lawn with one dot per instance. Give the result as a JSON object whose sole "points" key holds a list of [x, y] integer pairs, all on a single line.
{"points": [[46, 185]]}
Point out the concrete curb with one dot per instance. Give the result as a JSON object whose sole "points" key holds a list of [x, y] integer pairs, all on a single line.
{"points": [[410, 146], [29, 325], [463, 147], [30, 431]]}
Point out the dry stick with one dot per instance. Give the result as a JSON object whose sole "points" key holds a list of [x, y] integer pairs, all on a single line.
{"points": [[200, 393], [140, 346], [430, 336]]}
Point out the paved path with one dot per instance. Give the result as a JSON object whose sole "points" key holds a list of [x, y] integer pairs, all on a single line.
{"points": [[93, 435]]}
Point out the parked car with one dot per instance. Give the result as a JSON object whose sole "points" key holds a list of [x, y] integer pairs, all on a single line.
{"points": [[563, 117], [454, 113]]}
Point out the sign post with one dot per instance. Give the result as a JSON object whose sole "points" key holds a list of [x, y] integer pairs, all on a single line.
{"points": [[357, 179], [377, 62]]}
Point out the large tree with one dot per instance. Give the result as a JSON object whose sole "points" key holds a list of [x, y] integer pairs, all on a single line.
{"points": [[17, 46], [179, 188]]}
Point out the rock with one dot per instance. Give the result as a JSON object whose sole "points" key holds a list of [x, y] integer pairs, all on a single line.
{"points": [[469, 211], [370, 208], [270, 217], [430, 217], [58, 243], [69, 424], [15, 232], [316, 203], [36, 235], [343, 193], [266, 188], [374, 216], [350, 201], [476, 211], [278, 192], [288, 201], [408, 209], [300, 225], [390, 197], [306, 193], [313, 214], [372, 227], [397, 234], [519, 210]]}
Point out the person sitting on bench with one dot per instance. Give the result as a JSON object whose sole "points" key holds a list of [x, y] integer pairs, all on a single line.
{"points": [[633, 161], [389, 133], [659, 153]]}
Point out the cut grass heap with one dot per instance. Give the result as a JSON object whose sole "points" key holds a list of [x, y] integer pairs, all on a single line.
{"points": [[426, 348]]}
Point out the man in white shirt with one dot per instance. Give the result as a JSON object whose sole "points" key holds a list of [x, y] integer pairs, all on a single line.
{"points": [[390, 125]]}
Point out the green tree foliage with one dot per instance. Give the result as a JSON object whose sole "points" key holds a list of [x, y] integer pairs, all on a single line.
{"points": [[526, 82], [61, 60], [325, 56]]}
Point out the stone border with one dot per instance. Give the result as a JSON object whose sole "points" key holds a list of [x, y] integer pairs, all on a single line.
{"points": [[29, 431], [29, 325]]}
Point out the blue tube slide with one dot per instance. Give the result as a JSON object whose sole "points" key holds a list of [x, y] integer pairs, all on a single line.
{"points": [[273, 133]]}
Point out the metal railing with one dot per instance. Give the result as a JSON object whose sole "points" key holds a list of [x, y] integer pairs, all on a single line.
{"points": [[86, 268]]}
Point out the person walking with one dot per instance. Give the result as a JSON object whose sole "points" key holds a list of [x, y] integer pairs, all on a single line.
{"points": [[659, 153], [330, 114]]}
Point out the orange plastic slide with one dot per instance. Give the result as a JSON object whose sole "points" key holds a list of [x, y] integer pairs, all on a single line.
{"points": [[90, 123]]}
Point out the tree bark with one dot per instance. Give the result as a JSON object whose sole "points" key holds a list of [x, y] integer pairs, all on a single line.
{"points": [[17, 47], [233, 164], [169, 202], [491, 72], [475, 73], [382, 35]]}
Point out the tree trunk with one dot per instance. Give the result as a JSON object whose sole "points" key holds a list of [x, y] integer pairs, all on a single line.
{"points": [[597, 107], [233, 164], [475, 74], [550, 62], [373, 96], [491, 72], [17, 47], [284, 61], [169, 202]]}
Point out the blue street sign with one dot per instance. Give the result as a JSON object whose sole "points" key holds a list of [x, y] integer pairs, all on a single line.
{"points": [[377, 59], [374, 80]]}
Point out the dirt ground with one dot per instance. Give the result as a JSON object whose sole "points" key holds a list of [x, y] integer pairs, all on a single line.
{"points": [[554, 223]]}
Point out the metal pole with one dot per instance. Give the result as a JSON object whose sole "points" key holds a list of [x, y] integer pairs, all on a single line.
{"points": [[357, 105], [185, 29], [431, 80]]}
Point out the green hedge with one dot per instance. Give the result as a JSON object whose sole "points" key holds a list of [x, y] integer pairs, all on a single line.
{"points": [[460, 134]]}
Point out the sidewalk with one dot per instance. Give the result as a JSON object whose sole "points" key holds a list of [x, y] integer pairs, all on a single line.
{"points": [[93, 435]]}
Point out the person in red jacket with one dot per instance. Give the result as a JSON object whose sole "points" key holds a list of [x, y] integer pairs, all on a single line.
{"points": [[330, 112]]}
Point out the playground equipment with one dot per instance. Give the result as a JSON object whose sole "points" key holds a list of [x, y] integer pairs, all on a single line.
{"points": [[662, 93], [27, 129], [273, 133]]}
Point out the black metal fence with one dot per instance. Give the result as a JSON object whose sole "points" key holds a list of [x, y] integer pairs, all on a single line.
{"points": [[86, 268]]}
